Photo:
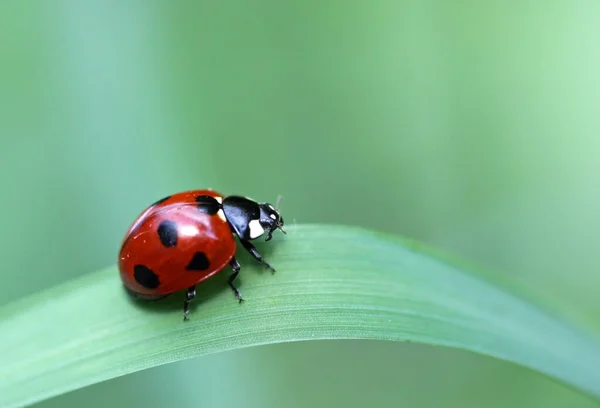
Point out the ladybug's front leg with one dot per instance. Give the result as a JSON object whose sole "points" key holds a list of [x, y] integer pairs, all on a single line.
{"points": [[254, 252], [189, 296]]}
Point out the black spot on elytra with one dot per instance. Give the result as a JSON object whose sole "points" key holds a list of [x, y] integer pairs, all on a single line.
{"points": [[199, 262], [146, 277], [207, 204], [162, 200], [167, 232]]}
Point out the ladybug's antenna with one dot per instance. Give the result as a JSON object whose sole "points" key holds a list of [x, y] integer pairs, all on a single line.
{"points": [[277, 203]]}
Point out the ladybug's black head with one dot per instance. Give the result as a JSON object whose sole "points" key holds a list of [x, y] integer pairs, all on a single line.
{"points": [[270, 218], [250, 220]]}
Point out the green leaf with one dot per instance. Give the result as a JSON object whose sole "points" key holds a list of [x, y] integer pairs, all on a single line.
{"points": [[333, 282]]}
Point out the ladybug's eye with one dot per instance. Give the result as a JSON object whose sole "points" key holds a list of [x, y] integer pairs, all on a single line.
{"points": [[270, 219]]}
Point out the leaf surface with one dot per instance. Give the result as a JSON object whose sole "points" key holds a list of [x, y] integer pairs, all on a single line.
{"points": [[332, 282]]}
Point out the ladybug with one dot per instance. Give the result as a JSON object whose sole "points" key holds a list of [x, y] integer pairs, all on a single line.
{"points": [[184, 239]]}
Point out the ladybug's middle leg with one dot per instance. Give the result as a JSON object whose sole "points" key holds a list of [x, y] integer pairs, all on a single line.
{"points": [[235, 265], [189, 296]]}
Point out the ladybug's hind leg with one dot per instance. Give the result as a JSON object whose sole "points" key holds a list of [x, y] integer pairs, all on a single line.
{"points": [[235, 265], [189, 296]]}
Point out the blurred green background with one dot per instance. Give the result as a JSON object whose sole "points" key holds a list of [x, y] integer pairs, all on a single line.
{"points": [[472, 126]]}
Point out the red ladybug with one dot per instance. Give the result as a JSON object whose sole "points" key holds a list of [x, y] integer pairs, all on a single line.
{"points": [[184, 239]]}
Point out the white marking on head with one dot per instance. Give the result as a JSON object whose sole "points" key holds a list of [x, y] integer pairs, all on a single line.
{"points": [[221, 215], [256, 230], [219, 200], [271, 207], [273, 216]]}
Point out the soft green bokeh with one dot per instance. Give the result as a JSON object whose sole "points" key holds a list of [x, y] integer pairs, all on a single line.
{"points": [[470, 125]]}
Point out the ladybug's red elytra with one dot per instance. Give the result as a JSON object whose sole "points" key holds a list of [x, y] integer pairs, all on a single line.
{"points": [[184, 239]]}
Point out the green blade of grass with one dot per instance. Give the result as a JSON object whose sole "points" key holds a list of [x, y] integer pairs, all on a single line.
{"points": [[333, 282]]}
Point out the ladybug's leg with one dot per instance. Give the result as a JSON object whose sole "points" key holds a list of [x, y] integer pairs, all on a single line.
{"points": [[250, 248], [189, 296], [235, 265]]}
